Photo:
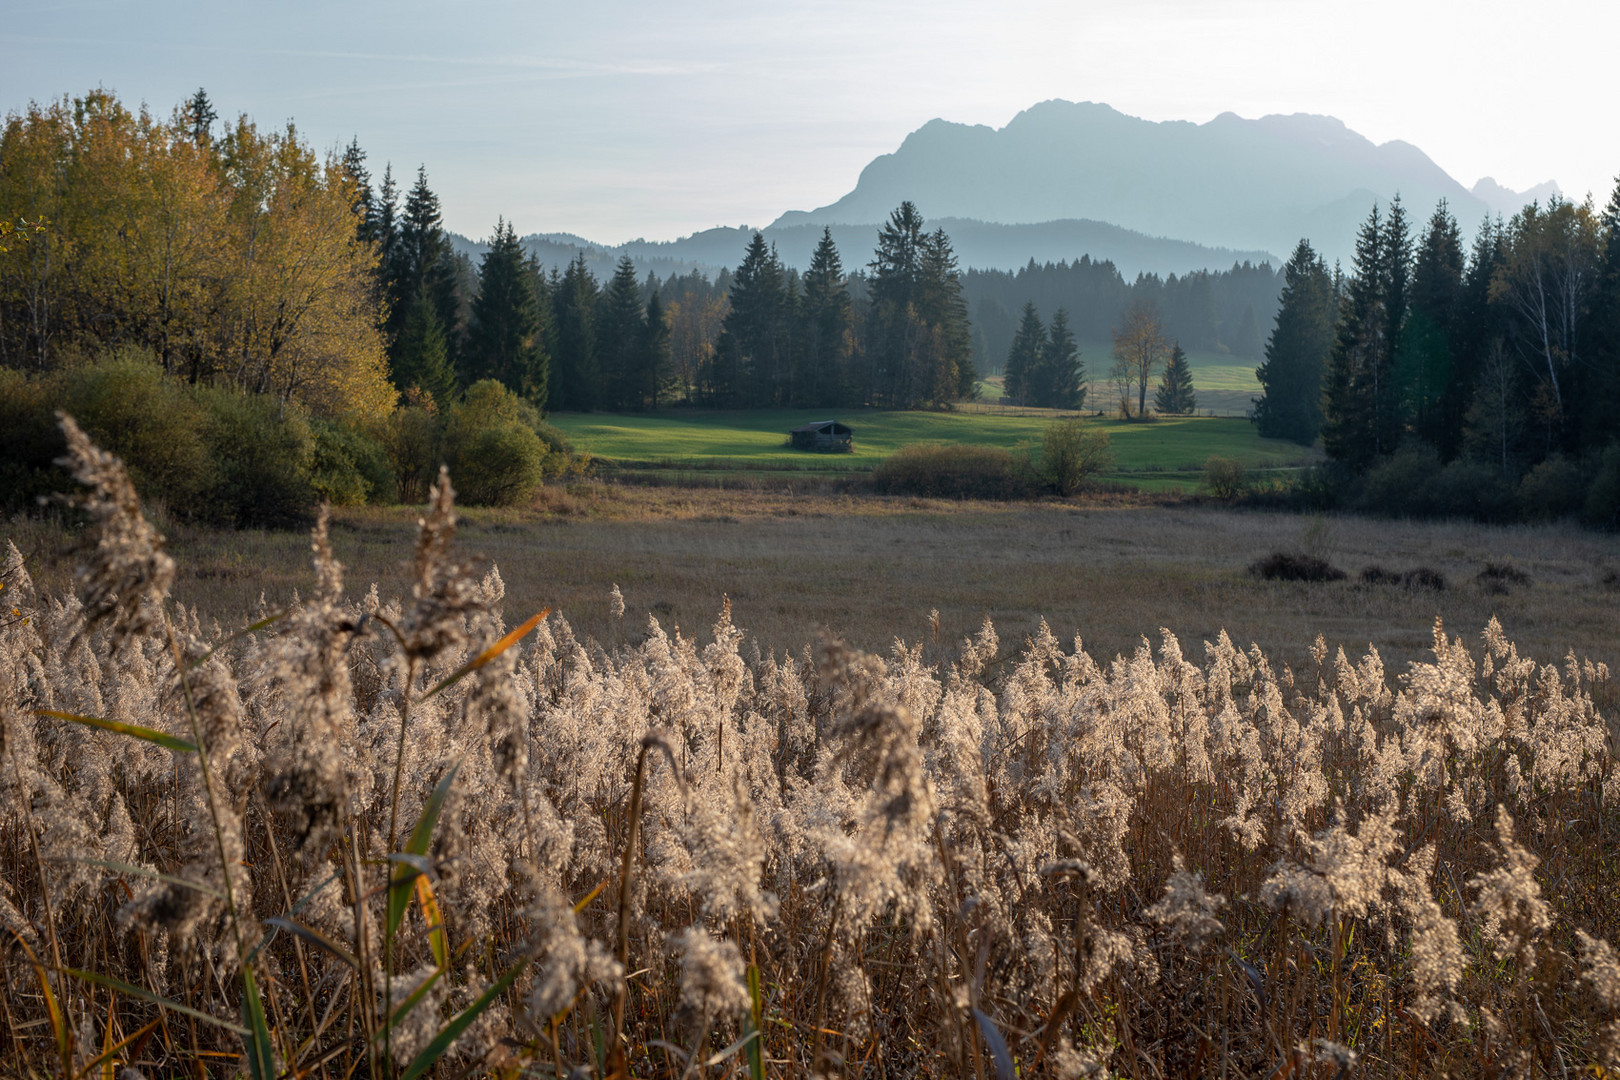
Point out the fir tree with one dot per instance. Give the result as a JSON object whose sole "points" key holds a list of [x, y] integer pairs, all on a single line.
{"points": [[617, 321], [574, 371], [752, 352], [420, 264], [1603, 403], [1060, 381], [1424, 357], [363, 202], [1175, 396], [199, 116], [950, 375], [1361, 399], [1290, 405], [420, 357], [1024, 357], [655, 372], [825, 337], [505, 338]]}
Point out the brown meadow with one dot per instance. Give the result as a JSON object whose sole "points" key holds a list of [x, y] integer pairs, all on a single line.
{"points": [[398, 837]]}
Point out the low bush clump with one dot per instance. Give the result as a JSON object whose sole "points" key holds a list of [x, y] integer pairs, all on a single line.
{"points": [[1295, 566], [952, 471], [1224, 476], [1072, 452], [1498, 579]]}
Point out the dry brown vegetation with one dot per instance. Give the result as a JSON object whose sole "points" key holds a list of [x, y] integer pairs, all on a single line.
{"points": [[386, 837]]}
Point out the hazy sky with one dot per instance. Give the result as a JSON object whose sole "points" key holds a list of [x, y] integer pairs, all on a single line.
{"points": [[623, 119]]}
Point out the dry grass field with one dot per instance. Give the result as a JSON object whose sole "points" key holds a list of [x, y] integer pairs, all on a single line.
{"points": [[871, 569], [407, 835]]}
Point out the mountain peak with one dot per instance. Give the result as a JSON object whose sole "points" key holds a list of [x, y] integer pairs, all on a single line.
{"points": [[1231, 182]]}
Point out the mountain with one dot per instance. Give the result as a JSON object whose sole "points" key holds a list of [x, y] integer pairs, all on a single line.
{"points": [[1508, 202], [979, 244], [1230, 183]]}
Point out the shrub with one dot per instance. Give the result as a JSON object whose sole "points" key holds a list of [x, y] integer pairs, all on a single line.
{"points": [[348, 467], [1377, 575], [1469, 489], [154, 422], [1072, 452], [413, 440], [1553, 489], [1295, 566], [1603, 497], [492, 447], [1424, 577], [1223, 476], [263, 456], [951, 471], [30, 443], [1398, 486], [1498, 578]]}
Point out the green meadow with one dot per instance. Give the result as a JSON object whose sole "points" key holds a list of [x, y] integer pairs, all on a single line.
{"points": [[1154, 455]]}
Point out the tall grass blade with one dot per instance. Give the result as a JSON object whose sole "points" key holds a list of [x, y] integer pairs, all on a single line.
{"points": [[756, 1024], [452, 1031], [998, 1047], [148, 872], [315, 938], [261, 1059], [294, 910], [144, 994], [399, 891], [104, 1060], [435, 922], [511, 638], [168, 742]]}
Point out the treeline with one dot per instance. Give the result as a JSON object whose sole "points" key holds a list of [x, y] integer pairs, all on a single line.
{"points": [[1444, 377], [1208, 311]]}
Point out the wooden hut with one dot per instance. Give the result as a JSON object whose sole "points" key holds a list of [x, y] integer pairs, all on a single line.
{"points": [[826, 435]]}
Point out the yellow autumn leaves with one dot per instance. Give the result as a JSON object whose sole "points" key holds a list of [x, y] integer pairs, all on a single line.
{"points": [[236, 259]]}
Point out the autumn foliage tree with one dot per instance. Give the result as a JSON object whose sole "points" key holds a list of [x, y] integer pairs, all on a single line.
{"points": [[1140, 348], [234, 260]]}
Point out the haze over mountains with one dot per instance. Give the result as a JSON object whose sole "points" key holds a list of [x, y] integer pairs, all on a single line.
{"points": [[1065, 179]]}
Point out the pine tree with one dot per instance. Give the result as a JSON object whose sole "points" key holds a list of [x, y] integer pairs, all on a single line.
{"points": [[1024, 357], [1479, 330], [1603, 403], [1290, 405], [896, 325], [825, 336], [505, 339], [363, 202], [950, 375], [421, 358], [617, 319], [655, 374], [200, 117], [752, 354], [1175, 396], [421, 264], [1424, 357], [1361, 399], [573, 368], [1060, 381]]}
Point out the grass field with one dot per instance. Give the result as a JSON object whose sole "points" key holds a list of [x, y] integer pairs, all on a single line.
{"points": [[1225, 384], [1157, 455]]}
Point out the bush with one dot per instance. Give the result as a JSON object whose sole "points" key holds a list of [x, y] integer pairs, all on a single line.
{"points": [[1399, 486], [1470, 489], [1498, 579], [952, 471], [1223, 476], [495, 455], [263, 456], [154, 422], [30, 443], [1603, 497], [1072, 452], [1553, 489], [1295, 566], [348, 467]]}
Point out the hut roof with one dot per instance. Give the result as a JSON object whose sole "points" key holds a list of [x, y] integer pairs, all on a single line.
{"points": [[832, 427]]}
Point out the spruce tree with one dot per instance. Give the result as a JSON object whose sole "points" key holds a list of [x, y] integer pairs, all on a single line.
{"points": [[949, 372], [1175, 396], [1290, 405], [199, 116], [617, 319], [505, 337], [751, 356], [1060, 382], [353, 165], [420, 264], [573, 364], [1361, 400], [1424, 356], [896, 327], [1024, 357], [420, 357], [825, 336], [1603, 354], [655, 372]]}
